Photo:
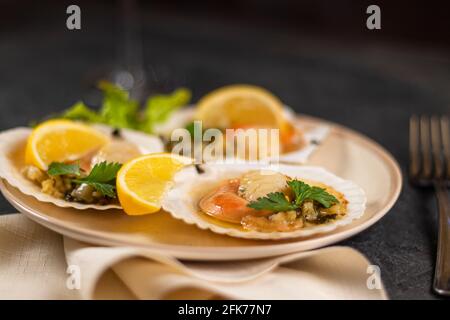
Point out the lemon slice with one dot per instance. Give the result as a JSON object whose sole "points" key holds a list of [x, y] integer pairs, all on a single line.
{"points": [[240, 106], [142, 182], [61, 140]]}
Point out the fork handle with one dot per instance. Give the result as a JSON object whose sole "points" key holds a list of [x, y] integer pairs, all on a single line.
{"points": [[441, 283]]}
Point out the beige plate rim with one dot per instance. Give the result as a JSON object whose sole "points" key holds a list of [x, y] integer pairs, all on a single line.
{"points": [[229, 253]]}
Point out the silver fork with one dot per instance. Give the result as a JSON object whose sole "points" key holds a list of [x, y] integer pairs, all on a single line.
{"points": [[430, 166]]}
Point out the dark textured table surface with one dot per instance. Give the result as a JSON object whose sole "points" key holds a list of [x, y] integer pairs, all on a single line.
{"points": [[372, 88]]}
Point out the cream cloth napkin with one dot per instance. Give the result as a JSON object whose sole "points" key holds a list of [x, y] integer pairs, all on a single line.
{"points": [[36, 263]]}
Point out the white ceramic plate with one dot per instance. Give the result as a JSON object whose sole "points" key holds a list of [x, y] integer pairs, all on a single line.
{"points": [[344, 152]]}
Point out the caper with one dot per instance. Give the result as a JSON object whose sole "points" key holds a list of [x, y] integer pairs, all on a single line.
{"points": [[84, 193]]}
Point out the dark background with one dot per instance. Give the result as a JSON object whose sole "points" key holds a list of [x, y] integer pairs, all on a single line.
{"points": [[317, 56]]}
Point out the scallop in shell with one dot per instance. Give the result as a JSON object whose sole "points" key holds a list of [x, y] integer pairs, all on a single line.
{"points": [[12, 164], [312, 136], [190, 187]]}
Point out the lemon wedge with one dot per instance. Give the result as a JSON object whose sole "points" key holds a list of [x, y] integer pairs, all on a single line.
{"points": [[142, 182], [238, 106], [61, 140]]}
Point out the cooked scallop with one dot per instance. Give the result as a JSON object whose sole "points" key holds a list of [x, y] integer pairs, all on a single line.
{"points": [[118, 150], [258, 183], [225, 204]]}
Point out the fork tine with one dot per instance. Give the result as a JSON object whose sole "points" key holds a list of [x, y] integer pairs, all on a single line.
{"points": [[425, 146], [436, 147], [431, 149], [445, 130], [414, 146]]}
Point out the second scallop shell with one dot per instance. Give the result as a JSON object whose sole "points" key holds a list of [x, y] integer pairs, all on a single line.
{"points": [[190, 186]]}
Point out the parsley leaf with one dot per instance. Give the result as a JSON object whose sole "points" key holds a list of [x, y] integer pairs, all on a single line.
{"points": [[300, 190], [275, 201], [102, 177], [59, 168], [105, 189], [324, 198], [103, 172], [303, 191]]}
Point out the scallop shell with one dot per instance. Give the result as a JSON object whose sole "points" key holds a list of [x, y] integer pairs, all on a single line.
{"points": [[12, 150], [182, 200], [313, 136]]}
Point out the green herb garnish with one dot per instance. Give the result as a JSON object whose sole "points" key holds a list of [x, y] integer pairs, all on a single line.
{"points": [[159, 107], [103, 172], [277, 201], [303, 191], [58, 169], [79, 111], [102, 176], [118, 110], [105, 189]]}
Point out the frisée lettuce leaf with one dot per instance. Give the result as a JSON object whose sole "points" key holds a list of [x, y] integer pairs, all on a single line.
{"points": [[118, 110]]}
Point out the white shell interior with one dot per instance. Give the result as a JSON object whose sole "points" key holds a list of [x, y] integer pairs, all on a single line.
{"points": [[12, 139], [190, 186]]}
